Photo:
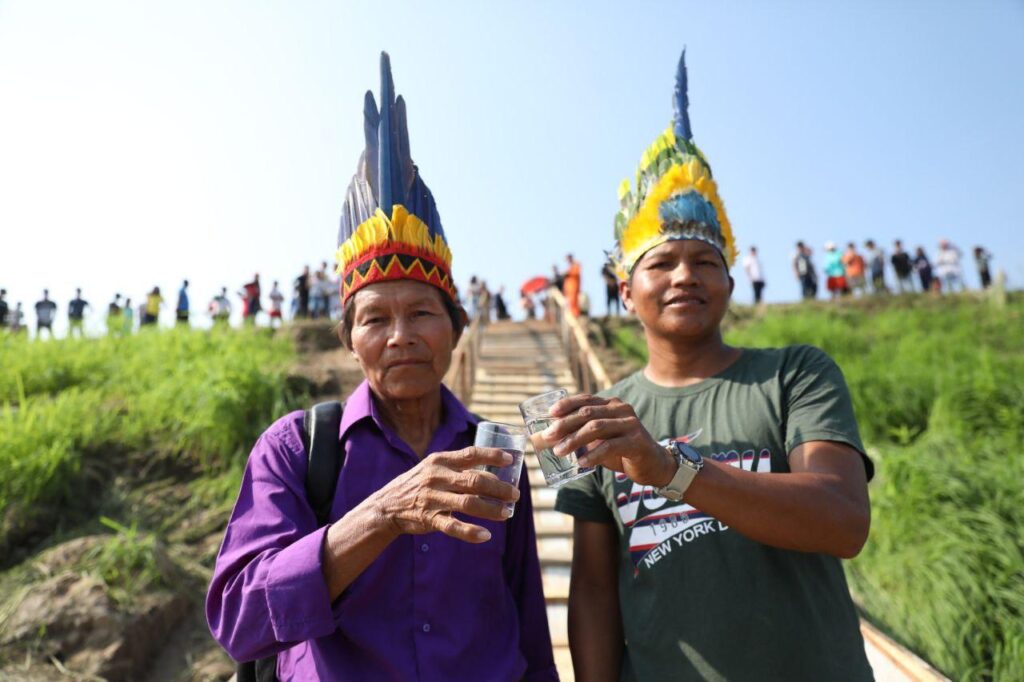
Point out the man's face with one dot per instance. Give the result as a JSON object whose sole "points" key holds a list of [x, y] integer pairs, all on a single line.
{"points": [[680, 289], [403, 338]]}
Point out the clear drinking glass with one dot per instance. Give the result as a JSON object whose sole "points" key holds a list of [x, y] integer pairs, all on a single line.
{"points": [[537, 414], [511, 439]]}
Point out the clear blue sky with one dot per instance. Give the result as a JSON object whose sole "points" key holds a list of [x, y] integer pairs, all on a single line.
{"points": [[141, 143]]}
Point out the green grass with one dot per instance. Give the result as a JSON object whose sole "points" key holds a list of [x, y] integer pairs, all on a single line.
{"points": [[128, 562], [938, 388], [200, 396]]}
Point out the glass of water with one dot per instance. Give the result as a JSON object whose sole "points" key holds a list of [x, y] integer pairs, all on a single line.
{"points": [[537, 414], [511, 439]]}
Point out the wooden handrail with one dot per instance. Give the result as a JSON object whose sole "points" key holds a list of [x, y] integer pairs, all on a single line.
{"points": [[586, 366], [461, 373]]}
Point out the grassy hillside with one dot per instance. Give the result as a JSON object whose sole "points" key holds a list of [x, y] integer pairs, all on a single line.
{"points": [[199, 398], [938, 387]]}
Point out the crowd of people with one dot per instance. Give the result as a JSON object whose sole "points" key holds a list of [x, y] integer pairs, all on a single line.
{"points": [[314, 296], [851, 273]]}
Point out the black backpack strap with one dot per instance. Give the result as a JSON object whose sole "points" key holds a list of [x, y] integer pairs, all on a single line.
{"points": [[321, 425]]}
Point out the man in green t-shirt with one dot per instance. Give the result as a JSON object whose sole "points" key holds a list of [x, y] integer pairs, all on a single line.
{"points": [[731, 481]]}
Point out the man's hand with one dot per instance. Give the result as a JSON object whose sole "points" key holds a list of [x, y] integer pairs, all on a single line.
{"points": [[613, 436], [422, 500]]}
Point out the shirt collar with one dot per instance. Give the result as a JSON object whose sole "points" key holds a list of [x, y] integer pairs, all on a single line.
{"points": [[360, 405]]}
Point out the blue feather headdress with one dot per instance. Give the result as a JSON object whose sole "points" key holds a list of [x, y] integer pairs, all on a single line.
{"points": [[390, 228], [675, 196]]}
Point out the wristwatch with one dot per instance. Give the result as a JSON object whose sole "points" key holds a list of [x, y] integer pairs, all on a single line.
{"points": [[690, 463]]}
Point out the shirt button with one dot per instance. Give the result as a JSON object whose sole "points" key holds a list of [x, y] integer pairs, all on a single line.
{"points": [[426, 627], [424, 547]]}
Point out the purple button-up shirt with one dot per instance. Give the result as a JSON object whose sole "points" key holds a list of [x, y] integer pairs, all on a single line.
{"points": [[430, 607]]}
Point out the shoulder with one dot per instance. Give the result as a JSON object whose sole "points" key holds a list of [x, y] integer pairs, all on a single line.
{"points": [[790, 362], [801, 359], [623, 387], [279, 451]]}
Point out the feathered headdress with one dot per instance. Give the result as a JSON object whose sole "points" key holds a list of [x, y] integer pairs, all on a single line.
{"points": [[390, 228], [675, 196]]}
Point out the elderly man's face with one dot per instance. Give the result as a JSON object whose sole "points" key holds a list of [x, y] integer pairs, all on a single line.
{"points": [[402, 337]]}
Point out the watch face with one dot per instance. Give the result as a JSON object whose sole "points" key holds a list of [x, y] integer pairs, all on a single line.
{"points": [[688, 453]]}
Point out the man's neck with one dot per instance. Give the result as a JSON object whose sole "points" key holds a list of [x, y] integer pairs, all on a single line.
{"points": [[414, 420], [676, 363]]}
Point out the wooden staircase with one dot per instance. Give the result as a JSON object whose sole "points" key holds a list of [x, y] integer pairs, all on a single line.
{"points": [[516, 362]]}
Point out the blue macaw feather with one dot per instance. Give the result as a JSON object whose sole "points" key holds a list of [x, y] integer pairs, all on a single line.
{"points": [[384, 142], [371, 121], [681, 124], [689, 207], [386, 174]]}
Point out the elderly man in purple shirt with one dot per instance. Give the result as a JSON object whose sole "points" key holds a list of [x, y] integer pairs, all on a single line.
{"points": [[417, 577]]}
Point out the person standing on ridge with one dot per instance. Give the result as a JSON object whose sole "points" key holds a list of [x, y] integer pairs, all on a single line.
{"points": [[114, 325], [904, 268], [127, 318], [276, 301], [500, 308], [46, 312], [182, 308], [982, 258], [947, 266], [752, 266], [76, 315], [835, 271], [251, 295], [611, 291], [853, 263], [571, 285], [924, 269], [876, 265], [803, 268], [16, 319], [728, 483], [151, 308], [302, 291], [4, 308], [220, 308]]}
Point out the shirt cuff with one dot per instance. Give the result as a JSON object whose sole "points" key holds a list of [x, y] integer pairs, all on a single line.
{"points": [[297, 597]]}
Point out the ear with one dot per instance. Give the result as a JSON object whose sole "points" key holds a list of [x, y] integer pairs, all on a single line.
{"points": [[732, 285], [627, 296]]}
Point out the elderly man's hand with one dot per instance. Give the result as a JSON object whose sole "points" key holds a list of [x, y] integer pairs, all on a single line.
{"points": [[422, 500]]}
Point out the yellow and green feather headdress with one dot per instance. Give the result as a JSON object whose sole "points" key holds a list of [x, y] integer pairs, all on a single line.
{"points": [[390, 228], [675, 196]]}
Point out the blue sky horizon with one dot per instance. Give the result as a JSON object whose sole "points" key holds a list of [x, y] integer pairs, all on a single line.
{"points": [[145, 143]]}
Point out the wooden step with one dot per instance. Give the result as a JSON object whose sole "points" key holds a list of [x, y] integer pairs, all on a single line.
{"points": [[558, 624], [556, 584], [552, 523], [544, 497], [555, 550], [563, 661]]}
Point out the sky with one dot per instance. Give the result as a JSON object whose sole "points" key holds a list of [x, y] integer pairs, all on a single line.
{"points": [[144, 143]]}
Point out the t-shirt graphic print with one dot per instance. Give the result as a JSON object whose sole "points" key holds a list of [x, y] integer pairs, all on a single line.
{"points": [[656, 525]]}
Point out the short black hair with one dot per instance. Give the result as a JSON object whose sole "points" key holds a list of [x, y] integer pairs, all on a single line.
{"points": [[455, 313]]}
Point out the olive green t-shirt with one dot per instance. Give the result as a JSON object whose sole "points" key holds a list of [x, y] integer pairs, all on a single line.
{"points": [[699, 601]]}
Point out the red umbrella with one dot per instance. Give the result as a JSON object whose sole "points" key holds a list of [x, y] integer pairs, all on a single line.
{"points": [[532, 286]]}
